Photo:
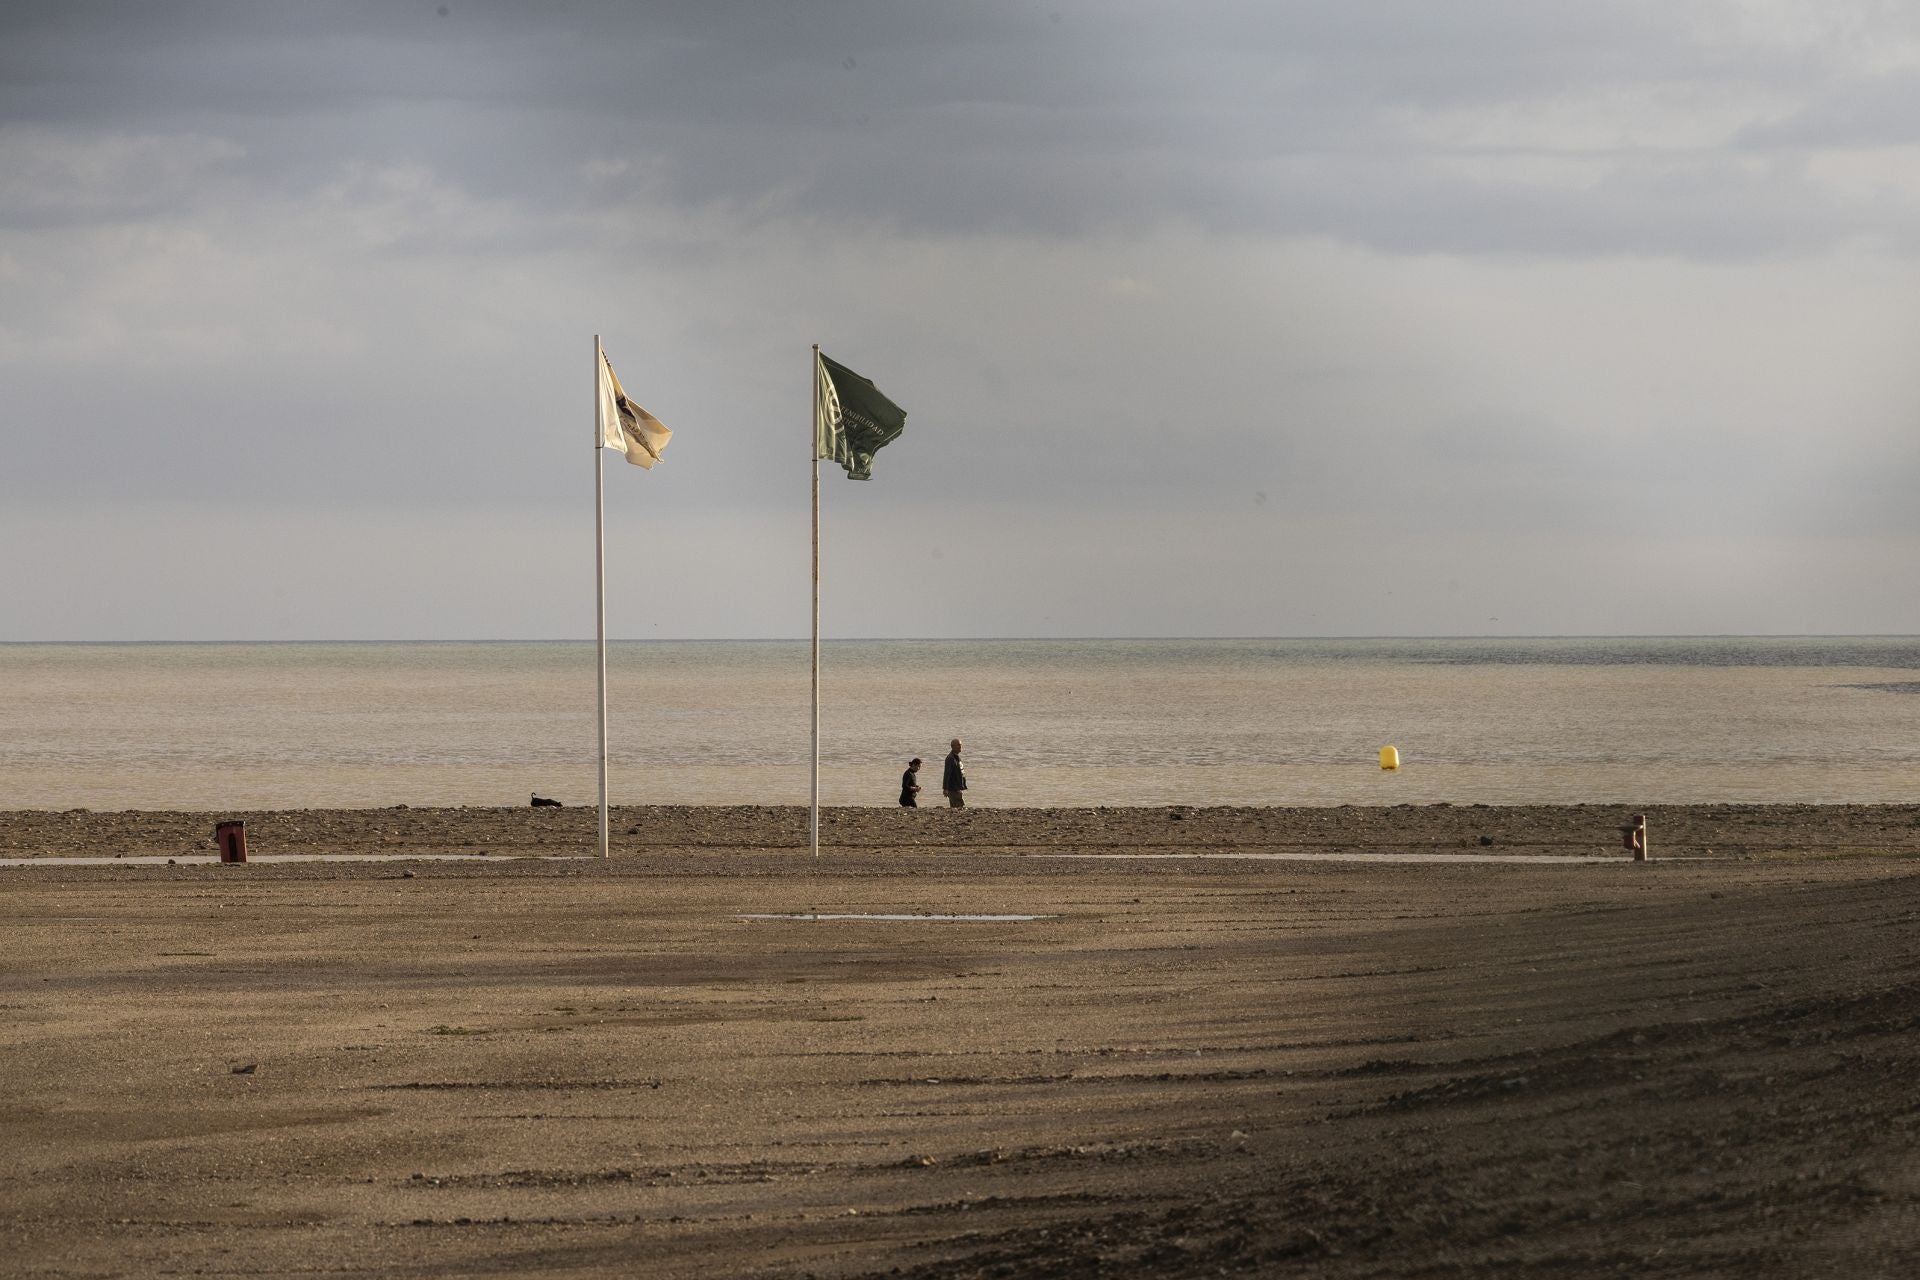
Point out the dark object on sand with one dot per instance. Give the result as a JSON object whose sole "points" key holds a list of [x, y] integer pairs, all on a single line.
{"points": [[1634, 836], [541, 802], [231, 837], [1485, 841]]}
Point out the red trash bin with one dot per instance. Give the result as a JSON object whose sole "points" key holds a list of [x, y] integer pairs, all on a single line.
{"points": [[232, 839]]}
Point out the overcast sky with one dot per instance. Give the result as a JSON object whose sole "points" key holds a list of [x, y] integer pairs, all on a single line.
{"points": [[1346, 318]]}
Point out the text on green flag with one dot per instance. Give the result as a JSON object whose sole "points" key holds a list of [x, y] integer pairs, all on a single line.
{"points": [[854, 420]]}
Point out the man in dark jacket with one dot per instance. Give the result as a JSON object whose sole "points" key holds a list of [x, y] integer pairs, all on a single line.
{"points": [[953, 780], [909, 785]]}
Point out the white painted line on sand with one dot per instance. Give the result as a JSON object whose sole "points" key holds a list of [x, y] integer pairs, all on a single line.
{"points": [[1481, 858], [207, 859], [877, 915]]}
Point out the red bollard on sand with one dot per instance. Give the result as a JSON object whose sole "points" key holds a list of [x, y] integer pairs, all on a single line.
{"points": [[232, 839]]}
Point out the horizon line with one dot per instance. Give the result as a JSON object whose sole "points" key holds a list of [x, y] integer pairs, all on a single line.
{"points": [[1028, 639]]}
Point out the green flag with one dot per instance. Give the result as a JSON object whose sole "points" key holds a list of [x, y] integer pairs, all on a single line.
{"points": [[853, 421]]}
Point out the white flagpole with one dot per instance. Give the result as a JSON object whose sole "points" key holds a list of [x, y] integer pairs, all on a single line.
{"points": [[813, 451], [600, 578]]}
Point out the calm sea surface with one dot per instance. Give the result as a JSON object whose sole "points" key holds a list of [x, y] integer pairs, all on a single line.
{"points": [[1635, 721]]}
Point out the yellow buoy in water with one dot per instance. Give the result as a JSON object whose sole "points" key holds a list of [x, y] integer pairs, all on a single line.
{"points": [[1389, 757]]}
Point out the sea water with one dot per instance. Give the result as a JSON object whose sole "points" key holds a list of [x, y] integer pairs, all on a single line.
{"points": [[1046, 722]]}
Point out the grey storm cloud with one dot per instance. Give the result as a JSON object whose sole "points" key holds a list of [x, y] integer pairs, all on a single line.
{"points": [[1877, 110], [1068, 119]]}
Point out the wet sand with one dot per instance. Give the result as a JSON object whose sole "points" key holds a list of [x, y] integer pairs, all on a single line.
{"points": [[1188, 1066]]}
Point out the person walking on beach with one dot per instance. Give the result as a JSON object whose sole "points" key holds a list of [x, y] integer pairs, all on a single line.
{"points": [[953, 780], [909, 787]]}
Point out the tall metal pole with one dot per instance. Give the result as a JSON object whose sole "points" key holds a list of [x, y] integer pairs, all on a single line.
{"points": [[813, 451], [600, 580]]}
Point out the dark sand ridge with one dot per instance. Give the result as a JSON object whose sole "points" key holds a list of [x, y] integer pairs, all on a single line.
{"points": [[1677, 830], [1266, 1068]]}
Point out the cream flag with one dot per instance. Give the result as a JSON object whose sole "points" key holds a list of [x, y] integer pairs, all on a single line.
{"points": [[625, 426]]}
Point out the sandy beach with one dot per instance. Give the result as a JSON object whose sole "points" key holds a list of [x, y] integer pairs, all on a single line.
{"points": [[1272, 1053]]}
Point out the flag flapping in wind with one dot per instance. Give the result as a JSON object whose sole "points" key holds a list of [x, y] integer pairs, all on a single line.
{"points": [[854, 421], [627, 427]]}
